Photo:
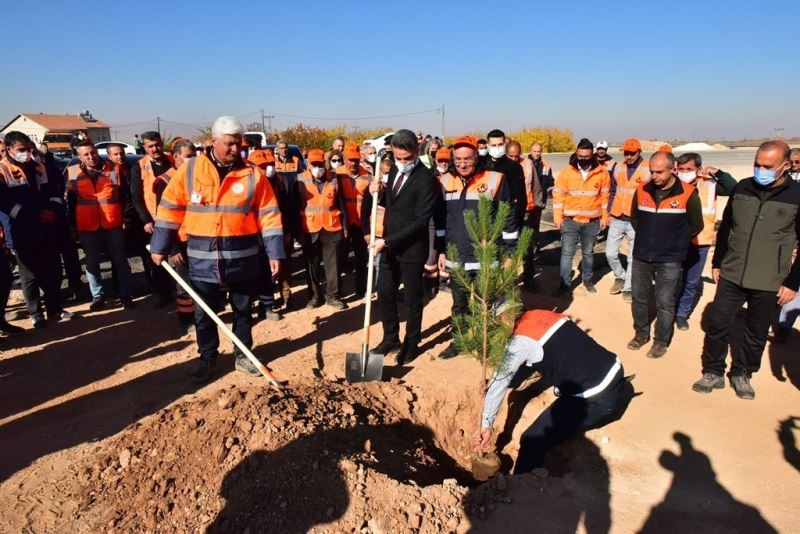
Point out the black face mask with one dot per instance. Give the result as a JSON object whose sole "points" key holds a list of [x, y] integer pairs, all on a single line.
{"points": [[584, 163]]}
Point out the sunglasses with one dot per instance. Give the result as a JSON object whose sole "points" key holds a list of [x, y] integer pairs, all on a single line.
{"points": [[629, 153], [337, 160]]}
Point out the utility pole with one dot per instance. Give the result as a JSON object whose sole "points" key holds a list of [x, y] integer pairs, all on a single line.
{"points": [[443, 131], [269, 118], [116, 138], [158, 125], [263, 128]]}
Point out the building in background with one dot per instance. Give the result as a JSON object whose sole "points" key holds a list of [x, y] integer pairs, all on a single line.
{"points": [[60, 132]]}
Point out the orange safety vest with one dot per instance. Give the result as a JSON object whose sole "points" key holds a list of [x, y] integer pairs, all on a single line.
{"points": [[662, 232], [353, 193], [486, 183], [98, 202], [539, 325], [707, 191], [14, 176], [579, 199], [149, 180], [533, 185], [319, 210], [626, 188], [287, 167]]}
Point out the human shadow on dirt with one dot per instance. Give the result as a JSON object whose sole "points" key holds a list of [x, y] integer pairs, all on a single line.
{"points": [[696, 501], [784, 361], [87, 350], [308, 481], [94, 416], [786, 435]]}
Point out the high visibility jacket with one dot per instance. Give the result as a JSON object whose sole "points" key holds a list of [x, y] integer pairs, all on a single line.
{"points": [[707, 190], [533, 185], [98, 202], [291, 166], [163, 181], [319, 210], [22, 201], [149, 184], [352, 190], [623, 195], [571, 360], [662, 231], [579, 199], [224, 217], [460, 197]]}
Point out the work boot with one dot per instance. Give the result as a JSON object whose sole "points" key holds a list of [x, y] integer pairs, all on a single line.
{"points": [[98, 303], [617, 286], [681, 323], [38, 321], [313, 303], [589, 286], [657, 350], [9, 329], [62, 315], [741, 385], [244, 365], [408, 353], [639, 340], [708, 383], [203, 371], [449, 352], [627, 296], [337, 304], [386, 346]]}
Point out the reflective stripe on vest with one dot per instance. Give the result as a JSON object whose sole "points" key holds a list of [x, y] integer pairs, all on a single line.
{"points": [[15, 177], [97, 201], [321, 209], [623, 196]]}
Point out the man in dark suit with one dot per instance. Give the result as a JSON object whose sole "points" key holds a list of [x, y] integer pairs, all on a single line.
{"points": [[409, 202]]}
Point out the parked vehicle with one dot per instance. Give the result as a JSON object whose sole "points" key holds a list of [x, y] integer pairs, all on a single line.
{"points": [[103, 146]]}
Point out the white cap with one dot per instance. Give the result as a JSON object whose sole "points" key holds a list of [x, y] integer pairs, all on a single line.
{"points": [[602, 144]]}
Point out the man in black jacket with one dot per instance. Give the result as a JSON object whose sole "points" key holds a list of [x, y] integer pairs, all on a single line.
{"points": [[512, 170], [752, 263], [410, 200]]}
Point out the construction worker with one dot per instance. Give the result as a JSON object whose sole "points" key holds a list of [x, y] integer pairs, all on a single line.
{"points": [[322, 222], [35, 209], [182, 150], [537, 176], [226, 207], [629, 174], [511, 170], [144, 179], [444, 162], [380, 214], [710, 183], [405, 245], [353, 181], [369, 157], [667, 214], [6, 281], [603, 158], [588, 379], [96, 200], [462, 190], [752, 263], [580, 212]]}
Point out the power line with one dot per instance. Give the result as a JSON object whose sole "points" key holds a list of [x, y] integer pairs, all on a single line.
{"points": [[292, 116]]}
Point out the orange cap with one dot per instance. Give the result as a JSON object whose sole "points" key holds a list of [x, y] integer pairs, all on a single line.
{"points": [[466, 140], [665, 148], [443, 153], [632, 145], [261, 157], [351, 151], [315, 155]]}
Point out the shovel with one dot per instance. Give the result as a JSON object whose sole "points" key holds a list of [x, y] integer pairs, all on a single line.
{"points": [[367, 366], [236, 341]]}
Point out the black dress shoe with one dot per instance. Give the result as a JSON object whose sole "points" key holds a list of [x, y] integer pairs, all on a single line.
{"points": [[386, 346], [407, 354]]}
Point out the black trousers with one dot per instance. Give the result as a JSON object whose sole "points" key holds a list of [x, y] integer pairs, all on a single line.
{"points": [[266, 286], [761, 309], [70, 259], [356, 239], [325, 248], [532, 220], [665, 277], [39, 269], [460, 295], [392, 273], [6, 281], [240, 295]]}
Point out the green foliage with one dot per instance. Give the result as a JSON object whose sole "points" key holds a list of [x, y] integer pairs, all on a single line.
{"points": [[481, 332], [551, 139]]}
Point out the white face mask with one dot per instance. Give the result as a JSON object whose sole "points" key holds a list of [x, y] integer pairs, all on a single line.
{"points": [[482, 151], [270, 171], [442, 170], [497, 151], [687, 177], [371, 158], [21, 156], [795, 176], [385, 178], [317, 172], [336, 164], [405, 167]]}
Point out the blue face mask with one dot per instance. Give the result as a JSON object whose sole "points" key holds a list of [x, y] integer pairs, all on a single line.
{"points": [[764, 176]]}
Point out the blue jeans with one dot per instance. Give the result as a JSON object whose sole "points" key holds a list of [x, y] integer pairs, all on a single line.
{"points": [[692, 280], [571, 233], [617, 230], [789, 314], [114, 242]]}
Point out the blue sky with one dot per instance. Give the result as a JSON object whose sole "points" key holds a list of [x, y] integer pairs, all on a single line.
{"points": [[683, 69]]}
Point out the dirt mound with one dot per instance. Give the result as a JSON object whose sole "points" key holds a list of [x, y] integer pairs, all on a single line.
{"points": [[324, 455]]}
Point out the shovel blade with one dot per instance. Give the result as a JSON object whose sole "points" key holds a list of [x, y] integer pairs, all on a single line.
{"points": [[355, 372]]}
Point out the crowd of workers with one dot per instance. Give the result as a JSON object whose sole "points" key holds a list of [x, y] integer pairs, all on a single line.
{"points": [[227, 219]]}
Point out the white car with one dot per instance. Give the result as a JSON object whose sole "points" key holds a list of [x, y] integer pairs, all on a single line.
{"points": [[103, 145], [378, 142]]}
